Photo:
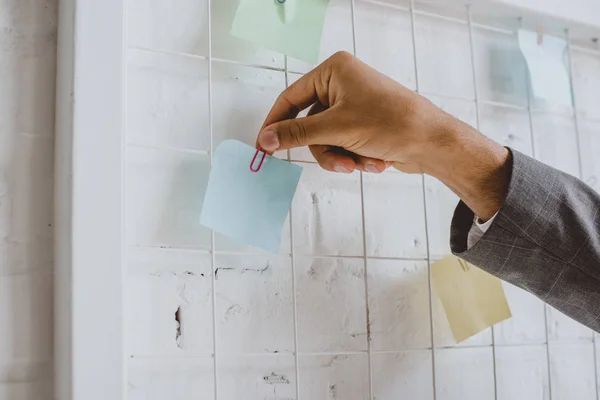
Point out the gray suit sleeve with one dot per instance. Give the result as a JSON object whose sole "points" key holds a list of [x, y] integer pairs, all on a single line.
{"points": [[545, 239]]}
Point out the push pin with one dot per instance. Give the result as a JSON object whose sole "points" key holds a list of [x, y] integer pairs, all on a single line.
{"points": [[287, 10], [540, 35]]}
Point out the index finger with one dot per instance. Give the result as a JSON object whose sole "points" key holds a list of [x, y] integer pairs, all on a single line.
{"points": [[306, 91]]}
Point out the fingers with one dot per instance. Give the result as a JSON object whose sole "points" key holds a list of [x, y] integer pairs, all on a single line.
{"points": [[320, 128], [371, 165], [309, 89], [331, 160], [339, 160]]}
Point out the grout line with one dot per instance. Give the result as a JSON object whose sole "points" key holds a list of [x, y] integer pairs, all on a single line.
{"points": [[436, 16], [212, 232], [478, 122], [384, 4], [580, 165], [169, 148], [293, 267], [239, 253], [356, 352], [533, 153], [582, 49], [364, 237], [491, 28], [124, 200], [441, 96], [575, 114], [170, 52], [424, 191]]}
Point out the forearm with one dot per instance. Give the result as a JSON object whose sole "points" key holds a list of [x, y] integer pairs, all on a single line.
{"points": [[474, 167]]}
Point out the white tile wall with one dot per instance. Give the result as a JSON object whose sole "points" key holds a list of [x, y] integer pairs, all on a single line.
{"points": [[407, 374], [27, 80], [319, 321], [522, 373]]}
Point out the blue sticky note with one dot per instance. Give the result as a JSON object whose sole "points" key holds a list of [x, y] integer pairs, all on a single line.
{"points": [[547, 63], [250, 207]]}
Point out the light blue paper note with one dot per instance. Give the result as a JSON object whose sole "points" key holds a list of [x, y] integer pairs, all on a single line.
{"points": [[247, 206], [547, 63]]}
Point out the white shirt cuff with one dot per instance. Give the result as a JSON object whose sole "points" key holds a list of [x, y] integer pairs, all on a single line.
{"points": [[477, 230]]}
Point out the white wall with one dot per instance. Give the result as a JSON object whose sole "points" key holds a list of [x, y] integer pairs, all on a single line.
{"points": [[27, 87]]}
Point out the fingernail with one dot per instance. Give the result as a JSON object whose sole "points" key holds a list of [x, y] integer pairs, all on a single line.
{"points": [[371, 168], [268, 140], [341, 170]]}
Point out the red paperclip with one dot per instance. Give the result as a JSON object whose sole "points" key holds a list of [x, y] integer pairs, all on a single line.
{"points": [[262, 160]]}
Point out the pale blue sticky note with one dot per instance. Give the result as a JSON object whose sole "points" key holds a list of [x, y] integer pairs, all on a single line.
{"points": [[547, 67], [250, 207]]}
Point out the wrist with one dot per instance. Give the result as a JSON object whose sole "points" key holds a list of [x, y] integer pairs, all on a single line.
{"points": [[473, 166]]}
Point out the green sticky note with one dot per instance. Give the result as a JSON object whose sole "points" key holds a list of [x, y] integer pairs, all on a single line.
{"points": [[250, 207], [547, 64], [292, 27]]}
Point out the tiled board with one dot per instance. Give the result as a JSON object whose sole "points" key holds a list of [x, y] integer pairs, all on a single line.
{"points": [[406, 374], [168, 307], [522, 373], [157, 378], [500, 67], [165, 191], [168, 107], [440, 202], [399, 305], [572, 372], [334, 376], [257, 377], [447, 42], [337, 35], [228, 47], [167, 100], [180, 26], [254, 305], [394, 215], [564, 328], [241, 98], [383, 40], [528, 322], [586, 83], [466, 374], [589, 136], [555, 141], [327, 213], [331, 305], [508, 126]]}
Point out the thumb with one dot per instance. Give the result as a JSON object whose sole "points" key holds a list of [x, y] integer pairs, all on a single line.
{"points": [[299, 132]]}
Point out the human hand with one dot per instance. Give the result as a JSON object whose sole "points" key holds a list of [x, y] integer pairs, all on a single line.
{"points": [[361, 119]]}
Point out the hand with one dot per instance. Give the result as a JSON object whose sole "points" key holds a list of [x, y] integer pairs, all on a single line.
{"points": [[361, 119]]}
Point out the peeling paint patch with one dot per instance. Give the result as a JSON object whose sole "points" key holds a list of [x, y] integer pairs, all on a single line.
{"points": [[178, 327], [275, 379]]}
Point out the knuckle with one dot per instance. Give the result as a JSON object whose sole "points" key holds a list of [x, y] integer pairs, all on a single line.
{"points": [[342, 57], [298, 134]]}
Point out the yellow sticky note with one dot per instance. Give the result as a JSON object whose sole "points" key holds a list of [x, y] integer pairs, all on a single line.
{"points": [[473, 299]]}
